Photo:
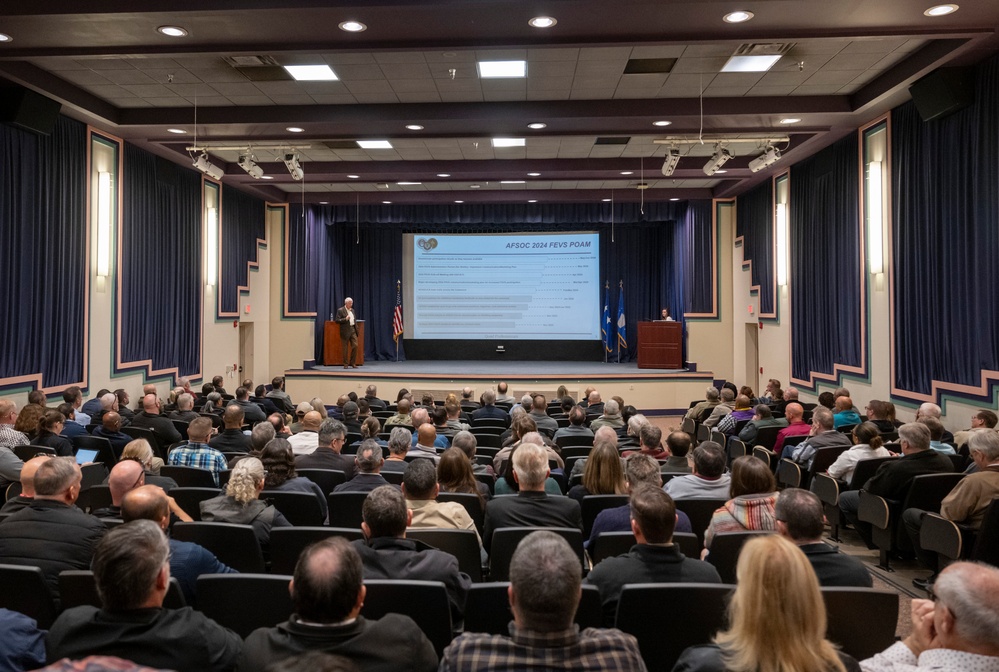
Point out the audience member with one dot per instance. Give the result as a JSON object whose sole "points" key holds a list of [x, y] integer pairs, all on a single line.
{"points": [[231, 439], [350, 417], [753, 495], [185, 409], [576, 427], [800, 518], [306, 440], [110, 429], [420, 488], [982, 419], [125, 476], [790, 397], [708, 480], [140, 451], [400, 440], [74, 395], [502, 395], [49, 430], [650, 438], [279, 396], [796, 426], [402, 415], [490, 410], [241, 503], [704, 408], [8, 435], [70, 428], [603, 474], [426, 438], [844, 413], [821, 435], [27, 420], [936, 435], [27, 486], [611, 417], [726, 406], [930, 410], [594, 405], [328, 454], [454, 474], [149, 418], [132, 571], [743, 412], [93, 405], [371, 395], [279, 464], [197, 452], [277, 421], [544, 592], [867, 445], [260, 398], [467, 443], [367, 469], [877, 413]]}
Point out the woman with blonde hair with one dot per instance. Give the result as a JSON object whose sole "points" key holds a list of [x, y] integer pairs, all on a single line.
{"points": [[319, 407], [603, 474], [776, 618], [241, 504]]}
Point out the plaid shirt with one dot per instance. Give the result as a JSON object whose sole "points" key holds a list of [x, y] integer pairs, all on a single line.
{"points": [[592, 649], [11, 437], [199, 455]]}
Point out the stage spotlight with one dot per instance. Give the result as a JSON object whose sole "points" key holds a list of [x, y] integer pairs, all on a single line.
{"points": [[207, 167], [294, 166], [672, 159], [767, 158], [719, 159], [247, 163]]}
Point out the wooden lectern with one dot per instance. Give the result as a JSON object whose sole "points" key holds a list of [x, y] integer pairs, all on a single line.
{"points": [[333, 347], [660, 345]]}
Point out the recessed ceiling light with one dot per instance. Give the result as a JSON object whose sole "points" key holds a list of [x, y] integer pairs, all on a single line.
{"points": [[508, 142], [172, 31], [605, 200], [941, 10], [537, 125], [542, 22], [661, 123], [740, 16], [533, 200], [295, 129], [387, 202], [474, 186], [627, 172], [443, 174], [324, 202], [4, 37], [374, 144], [790, 120], [266, 177], [500, 69], [534, 174], [750, 63], [353, 26], [353, 177], [512, 181], [674, 199], [414, 127], [720, 172], [459, 201], [178, 131], [408, 184], [312, 73]]}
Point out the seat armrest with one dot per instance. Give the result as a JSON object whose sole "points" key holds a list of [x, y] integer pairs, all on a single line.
{"points": [[874, 510], [827, 488]]}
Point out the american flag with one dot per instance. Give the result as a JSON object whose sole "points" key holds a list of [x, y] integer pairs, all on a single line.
{"points": [[397, 328]]}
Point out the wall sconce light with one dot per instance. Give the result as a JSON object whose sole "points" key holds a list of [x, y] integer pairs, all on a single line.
{"points": [[212, 253], [781, 239], [103, 224], [875, 219]]}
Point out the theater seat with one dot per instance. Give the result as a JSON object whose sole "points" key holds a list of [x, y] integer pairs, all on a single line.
{"points": [[505, 541], [26, 591], [866, 636], [234, 545], [426, 602], [462, 544], [488, 608], [77, 588], [245, 602]]}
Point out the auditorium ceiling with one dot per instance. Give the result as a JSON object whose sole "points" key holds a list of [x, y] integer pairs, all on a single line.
{"points": [[596, 83]]}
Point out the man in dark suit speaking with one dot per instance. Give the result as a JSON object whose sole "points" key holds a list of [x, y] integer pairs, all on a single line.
{"points": [[348, 332]]}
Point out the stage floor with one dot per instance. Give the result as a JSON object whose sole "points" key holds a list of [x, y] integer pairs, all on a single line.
{"points": [[423, 368]]}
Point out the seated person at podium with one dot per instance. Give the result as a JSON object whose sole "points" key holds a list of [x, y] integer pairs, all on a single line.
{"points": [[666, 317]]}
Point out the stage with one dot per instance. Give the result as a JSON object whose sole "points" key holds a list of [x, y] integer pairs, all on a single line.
{"points": [[653, 391]]}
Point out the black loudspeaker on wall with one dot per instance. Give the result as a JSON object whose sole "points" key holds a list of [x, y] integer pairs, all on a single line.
{"points": [[27, 110], [943, 92]]}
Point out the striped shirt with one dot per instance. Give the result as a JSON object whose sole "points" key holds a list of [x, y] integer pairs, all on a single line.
{"points": [[199, 455], [593, 649]]}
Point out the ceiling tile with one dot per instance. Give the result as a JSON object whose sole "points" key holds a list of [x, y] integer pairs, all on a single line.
{"points": [[600, 68], [874, 46], [501, 54], [279, 88], [167, 101], [461, 96], [218, 74], [726, 91], [349, 59], [504, 85], [458, 85], [358, 72], [553, 94], [605, 54], [129, 102], [117, 76], [110, 91], [549, 83], [180, 75], [552, 69], [399, 57], [455, 57], [823, 90], [635, 94], [58, 64], [784, 78], [737, 79], [333, 99], [658, 51], [496, 96], [86, 78], [369, 86], [323, 88], [213, 101], [714, 51], [821, 46], [699, 65], [106, 63], [406, 70], [834, 77], [644, 81], [760, 90], [844, 61], [296, 99], [413, 85], [553, 54], [149, 90]]}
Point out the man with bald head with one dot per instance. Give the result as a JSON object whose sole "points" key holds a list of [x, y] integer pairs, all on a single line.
{"points": [[425, 437], [402, 416], [187, 561], [125, 476], [27, 485], [420, 418], [150, 418], [931, 410], [594, 404], [110, 429], [232, 439], [307, 440], [796, 426]]}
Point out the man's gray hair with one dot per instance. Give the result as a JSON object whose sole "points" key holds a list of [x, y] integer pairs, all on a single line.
{"points": [[930, 410], [533, 437], [185, 402], [371, 391], [605, 433], [916, 434], [635, 424], [55, 476], [986, 443], [642, 469], [727, 395], [823, 417], [711, 393], [517, 410], [420, 416], [970, 591], [530, 462], [107, 401], [369, 456], [488, 397], [546, 575], [467, 443], [330, 429], [801, 511], [126, 563], [261, 434], [400, 441], [791, 394], [611, 407]]}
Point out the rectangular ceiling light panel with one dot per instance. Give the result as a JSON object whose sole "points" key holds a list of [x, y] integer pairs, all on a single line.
{"points": [[508, 142], [312, 73], [501, 69], [374, 144]]}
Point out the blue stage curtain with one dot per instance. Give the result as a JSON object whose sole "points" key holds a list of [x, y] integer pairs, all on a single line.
{"points": [[945, 234], [643, 255], [699, 288], [825, 267], [161, 265], [243, 219], [754, 223], [305, 236], [43, 254]]}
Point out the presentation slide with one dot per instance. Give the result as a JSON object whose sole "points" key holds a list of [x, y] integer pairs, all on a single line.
{"points": [[523, 286]]}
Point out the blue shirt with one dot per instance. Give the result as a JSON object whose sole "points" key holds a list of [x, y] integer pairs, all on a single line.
{"points": [[618, 519], [199, 455], [439, 442], [22, 646], [844, 418], [189, 561]]}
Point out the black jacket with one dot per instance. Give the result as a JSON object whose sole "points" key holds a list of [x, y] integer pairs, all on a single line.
{"points": [[326, 458], [50, 535], [62, 445], [836, 569], [166, 433], [529, 509], [231, 441], [894, 477]]}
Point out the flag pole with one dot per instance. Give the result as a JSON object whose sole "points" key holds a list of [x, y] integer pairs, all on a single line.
{"points": [[621, 285], [398, 288], [606, 321]]}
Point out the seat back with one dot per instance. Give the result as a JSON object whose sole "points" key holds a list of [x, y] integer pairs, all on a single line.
{"points": [[462, 544], [13, 490], [725, 549], [505, 541], [699, 511], [26, 591], [861, 637], [688, 425], [823, 459], [300, 508], [765, 455], [594, 504], [25, 453], [245, 602], [189, 477], [487, 608], [574, 442], [789, 474], [94, 497], [488, 441], [147, 434], [426, 602], [233, 545], [189, 499], [766, 437], [105, 454], [864, 470], [703, 433], [77, 588], [326, 479], [610, 544], [735, 448], [928, 490], [719, 437], [695, 612], [986, 548], [576, 452], [287, 543], [345, 508], [471, 502]]}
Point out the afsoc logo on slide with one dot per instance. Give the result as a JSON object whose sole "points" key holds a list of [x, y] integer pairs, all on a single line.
{"points": [[427, 244]]}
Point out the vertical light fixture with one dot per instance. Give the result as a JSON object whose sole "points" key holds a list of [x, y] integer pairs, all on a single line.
{"points": [[781, 244], [212, 254], [103, 224], [875, 220]]}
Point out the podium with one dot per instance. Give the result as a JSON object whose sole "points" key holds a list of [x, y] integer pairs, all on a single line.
{"points": [[660, 345], [333, 347]]}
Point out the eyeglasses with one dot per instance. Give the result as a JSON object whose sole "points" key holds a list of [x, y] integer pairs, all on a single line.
{"points": [[929, 592]]}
